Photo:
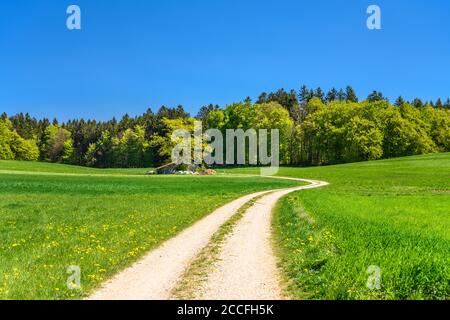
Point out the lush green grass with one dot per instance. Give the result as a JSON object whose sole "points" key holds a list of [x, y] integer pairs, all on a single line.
{"points": [[100, 222], [44, 167], [394, 214]]}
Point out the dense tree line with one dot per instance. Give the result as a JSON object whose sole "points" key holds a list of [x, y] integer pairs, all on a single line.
{"points": [[316, 128], [13, 146]]}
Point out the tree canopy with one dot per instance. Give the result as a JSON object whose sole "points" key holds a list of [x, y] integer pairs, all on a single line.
{"points": [[316, 128]]}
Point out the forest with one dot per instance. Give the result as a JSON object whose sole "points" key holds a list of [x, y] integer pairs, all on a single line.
{"points": [[316, 128]]}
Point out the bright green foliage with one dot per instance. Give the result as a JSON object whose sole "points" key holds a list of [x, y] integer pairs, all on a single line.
{"points": [[406, 132], [100, 154], [288, 100], [5, 141], [316, 129], [439, 121], [97, 219], [13, 146], [341, 132], [364, 140], [57, 145], [394, 214], [216, 119], [130, 150], [165, 143], [24, 149], [270, 115]]}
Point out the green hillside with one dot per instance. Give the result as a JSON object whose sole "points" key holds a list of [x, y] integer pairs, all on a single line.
{"points": [[56, 216], [393, 214]]}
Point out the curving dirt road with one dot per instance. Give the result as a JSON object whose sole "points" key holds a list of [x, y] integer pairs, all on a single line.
{"points": [[247, 267]]}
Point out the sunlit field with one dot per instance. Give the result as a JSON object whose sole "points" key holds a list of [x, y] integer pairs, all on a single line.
{"points": [[391, 214], [56, 216]]}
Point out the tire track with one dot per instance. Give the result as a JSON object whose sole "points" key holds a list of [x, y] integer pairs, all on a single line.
{"points": [[157, 274]]}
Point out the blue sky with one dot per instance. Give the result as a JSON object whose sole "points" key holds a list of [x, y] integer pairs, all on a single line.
{"points": [[135, 54]]}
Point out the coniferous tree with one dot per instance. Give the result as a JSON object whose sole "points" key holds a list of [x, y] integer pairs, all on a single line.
{"points": [[171, 113], [25, 126], [15, 147], [375, 96], [286, 99], [57, 144], [320, 94], [319, 132], [303, 96], [417, 103], [400, 101], [205, 110], [341, 95], [350, 94], [311, 94], [332, 95], [447, 103], [262, 98]]}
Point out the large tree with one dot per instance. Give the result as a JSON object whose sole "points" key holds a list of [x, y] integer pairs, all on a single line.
{"points": [[375, 96], [332, 95], [57, 145], [15, 147], [350, 94]]}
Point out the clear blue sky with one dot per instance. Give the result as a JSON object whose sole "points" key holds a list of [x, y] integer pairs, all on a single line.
{"points": [[135, 54]]}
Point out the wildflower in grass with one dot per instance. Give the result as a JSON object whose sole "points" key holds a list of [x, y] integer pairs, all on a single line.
{"points": [[95, 277], [100, 248]]}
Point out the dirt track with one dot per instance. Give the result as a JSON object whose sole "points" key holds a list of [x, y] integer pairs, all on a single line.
{"points": [[247, 268]]}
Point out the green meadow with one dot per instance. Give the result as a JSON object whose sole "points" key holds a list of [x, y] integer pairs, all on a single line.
{"points": [[55, 216], [392, 214]]}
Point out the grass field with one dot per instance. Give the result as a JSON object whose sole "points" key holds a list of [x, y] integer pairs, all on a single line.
{"points": [[51, 168], [56, 216], [392, 214]]}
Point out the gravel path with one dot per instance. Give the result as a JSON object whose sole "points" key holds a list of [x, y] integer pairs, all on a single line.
{"points": [[247, 269], [247, 266], [153, 277]]}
